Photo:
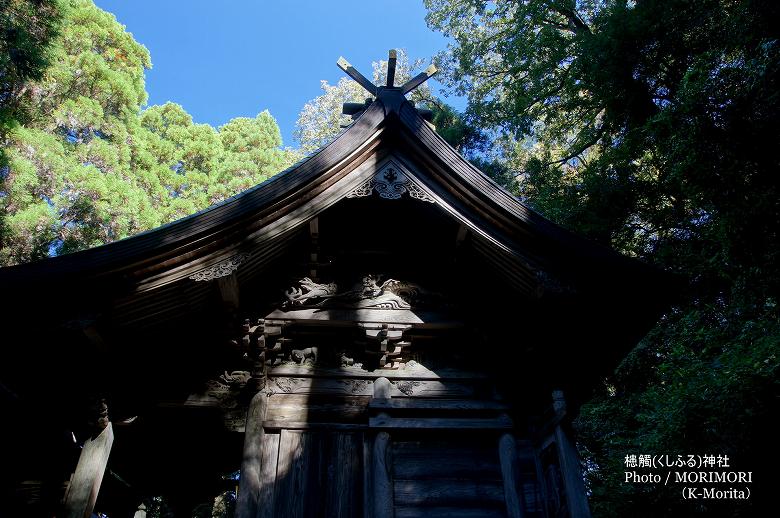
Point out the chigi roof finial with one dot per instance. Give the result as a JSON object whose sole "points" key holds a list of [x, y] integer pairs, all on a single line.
{"points": [[355, 109]]}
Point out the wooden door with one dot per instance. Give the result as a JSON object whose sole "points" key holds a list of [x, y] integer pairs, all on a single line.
{"points": [[457, 477], [348, 454]]}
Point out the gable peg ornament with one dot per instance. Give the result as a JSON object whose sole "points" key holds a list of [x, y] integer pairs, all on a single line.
{"points": [[359, 78], [391, 61], [355, 109]]}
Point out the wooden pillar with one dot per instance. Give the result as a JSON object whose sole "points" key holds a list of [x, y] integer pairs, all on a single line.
{"points": [[381, 465], [507, 453], [379, 486], [257, 352], [250, 485], [570, 465], [85, 483]]}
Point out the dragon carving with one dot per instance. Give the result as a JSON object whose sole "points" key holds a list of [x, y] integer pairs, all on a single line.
{"points": [[368, 293], [297, 296]]}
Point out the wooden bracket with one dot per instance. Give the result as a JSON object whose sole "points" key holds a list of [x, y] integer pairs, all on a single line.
{"points": [[392, 60]]}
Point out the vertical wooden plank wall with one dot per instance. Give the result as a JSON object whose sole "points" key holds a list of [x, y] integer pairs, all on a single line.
{"points": [[297, 473], [318, 474], [344, 475]]}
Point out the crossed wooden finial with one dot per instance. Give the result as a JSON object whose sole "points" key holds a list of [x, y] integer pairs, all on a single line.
{"points": [[410, 85]]}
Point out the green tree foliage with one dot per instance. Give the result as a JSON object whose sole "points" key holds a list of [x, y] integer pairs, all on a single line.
{"points": [[88, 166], [646, 125], [251, 154], [26, 30], [177, 158], [68, 184]]}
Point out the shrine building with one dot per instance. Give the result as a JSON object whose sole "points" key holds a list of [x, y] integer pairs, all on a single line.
{"points": [[378, 331]]}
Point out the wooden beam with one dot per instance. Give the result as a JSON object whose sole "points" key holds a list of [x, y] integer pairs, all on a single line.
{"points": [[353, 109], [419, 373], [447, 512], [359, 78], [248, 504], [322, 386], [307, 425], [419, 79], [433, 423], [391, 61], [437, 404], [85, 484]]}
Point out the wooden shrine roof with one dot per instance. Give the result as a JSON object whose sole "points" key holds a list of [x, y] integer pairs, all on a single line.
{"points": [[527, 249]]}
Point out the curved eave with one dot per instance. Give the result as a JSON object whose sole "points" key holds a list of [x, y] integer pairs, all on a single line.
{"points": [[524, 229], [199, 234], [525, 236]]}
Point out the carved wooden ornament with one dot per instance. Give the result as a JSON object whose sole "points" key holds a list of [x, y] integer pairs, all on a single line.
{"points": [[222, 269], [390, 183]]}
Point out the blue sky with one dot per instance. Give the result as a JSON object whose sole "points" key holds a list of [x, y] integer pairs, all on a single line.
{"points": [[236, 58]]}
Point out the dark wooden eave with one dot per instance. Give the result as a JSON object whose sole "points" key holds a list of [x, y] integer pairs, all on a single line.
{"points": [[518, 242], [204, 233]]}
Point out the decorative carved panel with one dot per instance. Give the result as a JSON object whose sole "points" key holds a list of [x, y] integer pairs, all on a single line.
{"points": [[390, 182], [370, 292], [222, 269]]}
